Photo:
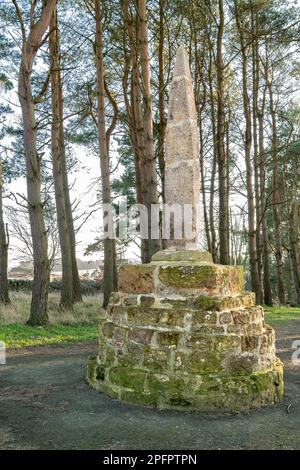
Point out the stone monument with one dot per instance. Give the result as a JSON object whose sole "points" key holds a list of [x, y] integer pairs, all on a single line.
{"points": [[181, 332]]}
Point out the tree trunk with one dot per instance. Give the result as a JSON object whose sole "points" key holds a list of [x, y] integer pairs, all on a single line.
{"points": [[214, 250], [30, 46], [255, 88], [161, 99], [38, 313], [69, 213], [57, 147], [134, 114], [220, 147], [204, 202], [294, 224], [268, 300], [4, 241], [148, 166], [249, 170], [109, 278], [276, 204], [76, 287]]}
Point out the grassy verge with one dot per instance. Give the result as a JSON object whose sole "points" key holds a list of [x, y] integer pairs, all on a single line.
{"points": [[19, 310], [274, 315], [63, 328], [22, 336]]}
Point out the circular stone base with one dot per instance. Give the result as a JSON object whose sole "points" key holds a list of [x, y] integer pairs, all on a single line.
{"points": [[196, 352], [185, 391]]}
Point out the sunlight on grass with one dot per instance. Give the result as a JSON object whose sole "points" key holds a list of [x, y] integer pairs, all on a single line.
{"points": [[21, 336], [64, 327], [277, 314]]}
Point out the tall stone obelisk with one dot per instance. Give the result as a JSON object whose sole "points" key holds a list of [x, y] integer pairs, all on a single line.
{"points": [[182, 171]]}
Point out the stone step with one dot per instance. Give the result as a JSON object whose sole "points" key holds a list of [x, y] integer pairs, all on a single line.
{"points": [[195, 302], [181, 278], [244, 322]]}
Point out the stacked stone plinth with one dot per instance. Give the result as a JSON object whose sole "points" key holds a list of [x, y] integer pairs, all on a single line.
{"points": [[184, 334]]}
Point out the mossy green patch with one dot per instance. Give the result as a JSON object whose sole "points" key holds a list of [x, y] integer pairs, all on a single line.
{"points": [[190, 276], [128, 378]]}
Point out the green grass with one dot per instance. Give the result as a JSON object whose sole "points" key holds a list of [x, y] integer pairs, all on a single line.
{"points": [[277, 314], [63, 328], [21, 336]]}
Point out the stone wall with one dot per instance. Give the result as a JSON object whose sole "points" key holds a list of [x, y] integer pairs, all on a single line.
{"points": [[186, 336]]}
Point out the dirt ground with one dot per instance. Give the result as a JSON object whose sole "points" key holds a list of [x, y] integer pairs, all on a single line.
{"points": [[45, 403]]}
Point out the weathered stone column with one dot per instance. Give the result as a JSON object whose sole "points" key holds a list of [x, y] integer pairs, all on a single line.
{"points": [[182, 169]]}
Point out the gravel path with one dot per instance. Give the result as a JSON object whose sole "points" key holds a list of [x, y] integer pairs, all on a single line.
{"points": [[45, 403]]}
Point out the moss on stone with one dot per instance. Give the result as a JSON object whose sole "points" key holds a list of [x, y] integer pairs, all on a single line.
{"points": [[173, 318], [110, 355], [143, 316], [212, 277], [183, 350], [147, 300], [190, 276], [156, 359], [205, 303], [91, 369], [200, 342], [190, 256], [169, 339], [206, 391], [200, 318], [128, 378], [108, 329]]}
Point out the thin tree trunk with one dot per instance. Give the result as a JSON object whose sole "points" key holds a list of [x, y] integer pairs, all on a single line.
{"points": [[276, 205], [150, 195], [4, 242], [220, 147], [161, 98], [76, 286], [135, 116], [38, 313], [57, 147], [249, 170], [30, 46], [109, 280], [77, 297], [268, 300], [204, 202], [294, 224], [255, 87], [214, 250]]}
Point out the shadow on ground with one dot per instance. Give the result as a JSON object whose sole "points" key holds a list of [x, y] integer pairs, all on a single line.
{"points": [[46, 404]]}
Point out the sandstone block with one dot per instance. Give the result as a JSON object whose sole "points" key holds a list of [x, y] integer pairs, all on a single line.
{"points": [[140, 335], [142, 316], [207, 277], [136, 278], [169, 339], [156, 359]]}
